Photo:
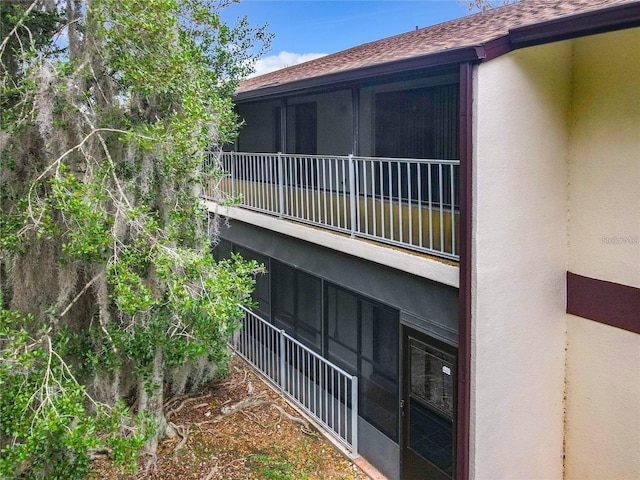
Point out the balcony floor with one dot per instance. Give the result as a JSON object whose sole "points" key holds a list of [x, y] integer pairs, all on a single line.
{"points": [[421, 264]]}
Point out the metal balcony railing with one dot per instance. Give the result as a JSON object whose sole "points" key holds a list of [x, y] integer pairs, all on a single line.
{"points": [[409, 203], [325, 392]]}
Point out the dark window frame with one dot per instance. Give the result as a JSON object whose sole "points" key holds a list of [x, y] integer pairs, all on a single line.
{"points": [[295, 327], [392, 379]]}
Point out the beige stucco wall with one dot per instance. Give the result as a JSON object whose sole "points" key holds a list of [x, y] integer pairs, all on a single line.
{"points": [[604, 194], [603, 402], [557, 187], [603, 364], [519, 249]]}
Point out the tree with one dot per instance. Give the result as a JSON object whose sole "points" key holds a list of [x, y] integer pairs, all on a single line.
{"points": [[484, 5], [110, 298]]}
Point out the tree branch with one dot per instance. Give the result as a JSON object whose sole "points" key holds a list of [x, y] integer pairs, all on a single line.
{"points": [[16, 26], [77, 297]]}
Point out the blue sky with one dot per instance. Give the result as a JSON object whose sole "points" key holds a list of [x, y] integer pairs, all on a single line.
{"points": [[305, 29]]}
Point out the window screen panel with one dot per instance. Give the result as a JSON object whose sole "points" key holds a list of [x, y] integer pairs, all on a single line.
{"points": [[306, 128], [277, 130], [342, 328], [261, 293], [283, 284], [379, 367], [417, 123], [378, 400], [380, 333], [309, 310]]}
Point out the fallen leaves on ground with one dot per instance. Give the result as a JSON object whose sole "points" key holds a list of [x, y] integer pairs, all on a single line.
{"points": [[254, 442]]}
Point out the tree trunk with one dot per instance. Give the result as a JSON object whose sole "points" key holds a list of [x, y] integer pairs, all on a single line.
{"points": [[151, 400]]}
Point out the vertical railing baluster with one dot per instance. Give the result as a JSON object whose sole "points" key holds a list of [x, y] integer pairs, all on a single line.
{"points": [[344, 195], [303, 369], [352, 196], [255, 178], [312, 191], [338, 397], [331, 191], [320, 186], [453, 213], [265, 351], [354, 415], [288, 200], [311, 186], [310, 367], [356, 172], [345, 409], [441, 198], [234, 159], [243, 178], [297, 372], [374, 217], [282, 360], [430, 193], [400, 216], [333, 400], [269, 180], [419, 181], [325, 218], [382, 211], [263, 183], [409, 205], [244, 335], [305, 190], [308, 381], [391, 222], [255, 181], [366, 196], [248, 187], [326, 394], [295, 187], [280, 185], [246, 180]]}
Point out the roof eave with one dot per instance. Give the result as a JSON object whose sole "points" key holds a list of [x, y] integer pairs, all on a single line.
{"points": [[408, 65], [616, 17]]}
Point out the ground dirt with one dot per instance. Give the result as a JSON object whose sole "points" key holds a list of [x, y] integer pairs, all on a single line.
{"points": [[254, 442]]}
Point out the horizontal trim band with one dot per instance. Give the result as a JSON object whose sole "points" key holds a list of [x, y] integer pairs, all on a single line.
{"points": [[605, 302]]}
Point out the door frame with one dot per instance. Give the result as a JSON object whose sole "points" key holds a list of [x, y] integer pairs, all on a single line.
{"points": [[404, 391]]}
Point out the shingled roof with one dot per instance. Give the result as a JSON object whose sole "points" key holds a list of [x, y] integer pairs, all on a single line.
{"points": [[469, 31]]}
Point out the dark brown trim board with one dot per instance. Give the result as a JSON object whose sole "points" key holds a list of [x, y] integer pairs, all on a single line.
{"points": [[605, 302], [464, 295], [615, 17], [349, 78]]}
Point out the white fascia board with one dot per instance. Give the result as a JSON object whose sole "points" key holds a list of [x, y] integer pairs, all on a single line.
{"points": [[415, 264]]}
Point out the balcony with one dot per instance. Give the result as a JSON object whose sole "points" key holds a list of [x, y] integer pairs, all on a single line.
{"points": [[406, 203]]}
